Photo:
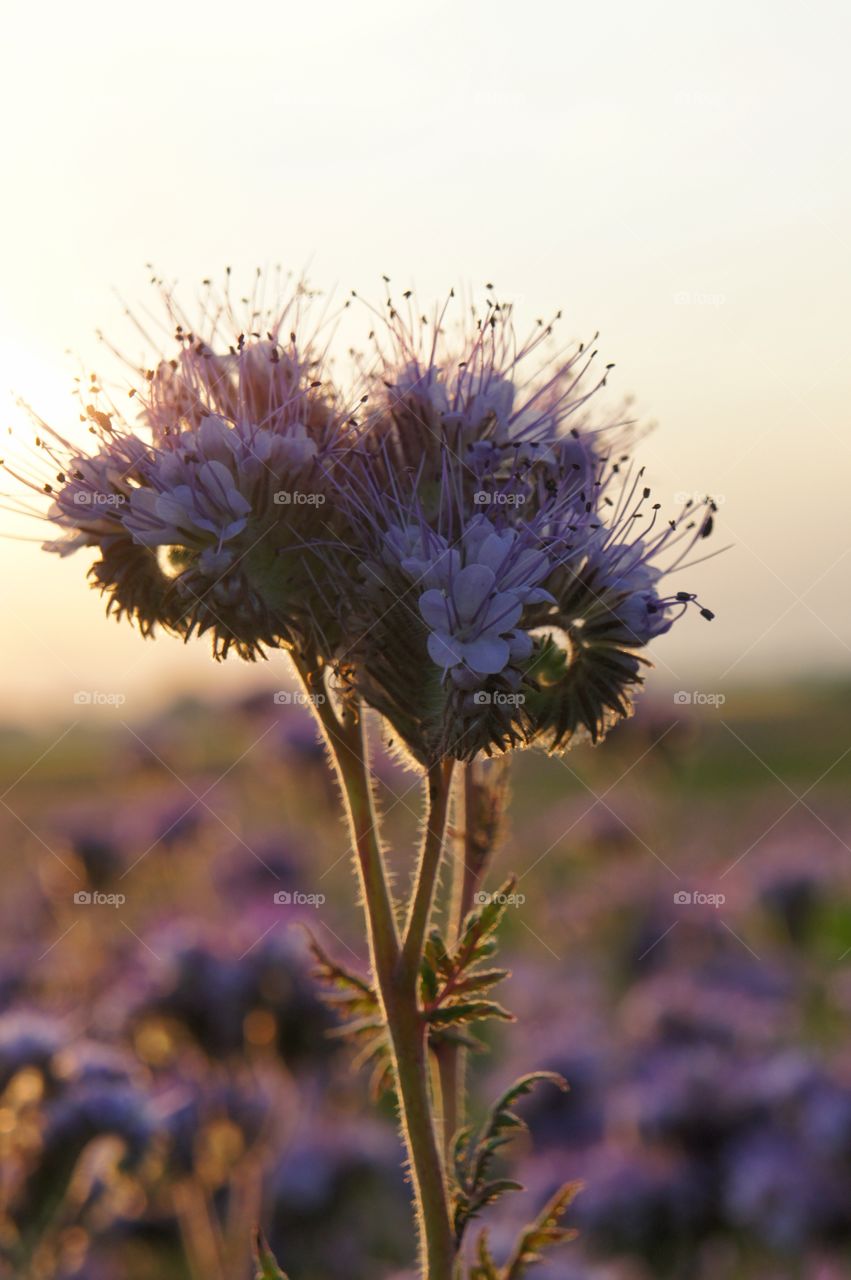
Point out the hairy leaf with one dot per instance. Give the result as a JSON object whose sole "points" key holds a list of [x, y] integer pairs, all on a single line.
{"points": [[543, 1233], [454, 985], [362, 1019], [473, 1153]]}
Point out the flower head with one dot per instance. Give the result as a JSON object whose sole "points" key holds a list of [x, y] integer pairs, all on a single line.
{"points": [[204, 510], [503, 563], [475, 554]]}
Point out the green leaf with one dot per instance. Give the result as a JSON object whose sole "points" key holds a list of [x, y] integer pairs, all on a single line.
{"points": [[266, 1268], [469, 1011], [473, 1154], [362, 1018], [484, 1267], [543, 1233], [453, 985]]}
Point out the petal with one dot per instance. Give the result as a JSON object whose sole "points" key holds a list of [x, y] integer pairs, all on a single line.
{"points": [[537, 595], [520, 645], [434, 609], [486, 656], [471, 586], [215, 439], [495, 548], [443, 650], [502, 613], [219, 484]]}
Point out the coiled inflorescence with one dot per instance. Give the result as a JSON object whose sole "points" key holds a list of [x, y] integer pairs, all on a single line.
{"points": [[479, 560]]}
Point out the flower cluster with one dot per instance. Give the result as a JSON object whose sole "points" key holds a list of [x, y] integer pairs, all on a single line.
{"points": [[503, 564], [204, 511], [474, 556]]}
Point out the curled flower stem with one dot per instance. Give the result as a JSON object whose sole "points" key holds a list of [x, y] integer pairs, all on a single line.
{"points": [[396, 968]]}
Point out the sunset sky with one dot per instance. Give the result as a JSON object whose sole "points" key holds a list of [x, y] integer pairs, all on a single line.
{"points": [[674, 176]]}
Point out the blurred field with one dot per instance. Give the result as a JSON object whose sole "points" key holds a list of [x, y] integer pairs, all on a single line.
{"points": [[166, 1067]]}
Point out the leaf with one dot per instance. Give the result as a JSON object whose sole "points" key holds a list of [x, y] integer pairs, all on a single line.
{"points": [[484, 1268], [348, 986], [362, 1019], [266, 1266], [473, 1154], [543, 1233], [469, 1011], [454, 984]]}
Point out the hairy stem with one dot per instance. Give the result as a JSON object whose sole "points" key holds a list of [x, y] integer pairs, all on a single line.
{"points": [[396, 969], [439, 783], [474, 841]]}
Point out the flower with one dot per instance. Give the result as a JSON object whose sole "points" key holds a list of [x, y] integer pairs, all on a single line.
{"points": [[476, 601], [502, 567], [475, 555], [203, 512]]}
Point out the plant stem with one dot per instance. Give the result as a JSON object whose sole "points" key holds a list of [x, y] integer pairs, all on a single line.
{"points": [[396, 970], [439, 783], [467, 870]]}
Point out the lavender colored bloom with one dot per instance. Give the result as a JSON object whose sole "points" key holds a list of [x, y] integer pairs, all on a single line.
{"points": [[489, 569], [476, 598], [204, 511], [502, 570]]}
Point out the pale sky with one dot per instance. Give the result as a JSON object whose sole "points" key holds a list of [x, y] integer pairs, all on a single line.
{"points": [[673, 175]]}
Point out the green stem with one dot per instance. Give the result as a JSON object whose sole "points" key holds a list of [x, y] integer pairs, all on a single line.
{"points": [[396, 972], [467, 869], [439, 784]]}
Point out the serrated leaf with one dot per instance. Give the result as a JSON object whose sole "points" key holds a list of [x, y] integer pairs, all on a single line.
{"points": [[473, 1154], [469, 1011], [484, 1267], [453, 985], [543, 1233], [266, 1268], [480, 980], [363, 1020]]}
